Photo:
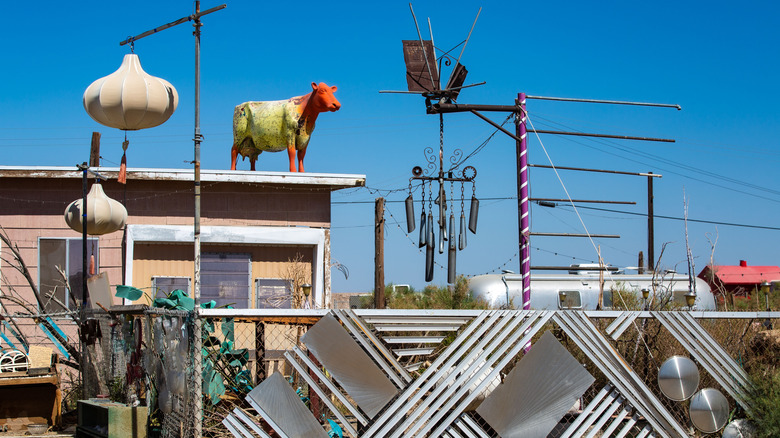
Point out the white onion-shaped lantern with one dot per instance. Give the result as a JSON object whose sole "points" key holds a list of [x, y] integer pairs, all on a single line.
{"points": [[130, 98], [104, 215]]}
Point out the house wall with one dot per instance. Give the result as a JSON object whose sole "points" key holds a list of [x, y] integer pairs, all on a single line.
{"points": [[31, 208]]}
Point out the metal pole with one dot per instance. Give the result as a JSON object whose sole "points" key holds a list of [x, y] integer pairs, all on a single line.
{"points": [[196, 162], [84, 267], [379, 253], [524, 203], [650, 237], [196, 234]]}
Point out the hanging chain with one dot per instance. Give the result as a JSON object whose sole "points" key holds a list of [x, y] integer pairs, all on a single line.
{"points": [[462, 207]]}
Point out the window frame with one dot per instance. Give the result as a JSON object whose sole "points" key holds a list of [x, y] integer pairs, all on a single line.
{"points": [[93, 248]]}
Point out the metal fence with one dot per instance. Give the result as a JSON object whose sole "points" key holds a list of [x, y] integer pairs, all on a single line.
{"points": [[384, 373]]}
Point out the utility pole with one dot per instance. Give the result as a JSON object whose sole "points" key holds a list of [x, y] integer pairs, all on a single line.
{"points": [[524, 205], [650, 227], [379, 253], [197, 138]]}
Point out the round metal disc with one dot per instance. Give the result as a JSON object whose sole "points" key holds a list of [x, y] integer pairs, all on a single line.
{"points": [[709, 410], [678, 378], [741, 428]]}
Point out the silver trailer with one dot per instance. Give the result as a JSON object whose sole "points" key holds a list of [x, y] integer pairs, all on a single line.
{"points": [[580, 290]]}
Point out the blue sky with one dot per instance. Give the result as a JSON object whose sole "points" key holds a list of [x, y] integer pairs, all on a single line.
{"points": [[718, 60]]}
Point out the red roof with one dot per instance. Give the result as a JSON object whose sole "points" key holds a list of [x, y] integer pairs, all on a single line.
{"points": [[743, 274]]}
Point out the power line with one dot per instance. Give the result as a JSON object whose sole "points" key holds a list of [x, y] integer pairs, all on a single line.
{"points": [[703, 221], [508, 198]]}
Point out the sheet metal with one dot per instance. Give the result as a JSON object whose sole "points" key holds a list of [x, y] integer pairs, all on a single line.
{"points": [[325, 381], [324, 397], [532, 407], [278, 404], [349, 365], [473, 366], [375, 349], [601, 352], [520, 339], [419, 387], [365, 331]]}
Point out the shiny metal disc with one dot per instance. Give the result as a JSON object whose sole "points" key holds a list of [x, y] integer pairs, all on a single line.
{"points": [[709, 410], [678, 378]]}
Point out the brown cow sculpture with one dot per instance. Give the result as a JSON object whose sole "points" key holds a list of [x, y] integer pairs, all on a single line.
{"points": [[278, 125]]}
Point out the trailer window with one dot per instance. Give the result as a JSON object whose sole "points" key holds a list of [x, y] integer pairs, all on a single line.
{"points": [[569, 299]]}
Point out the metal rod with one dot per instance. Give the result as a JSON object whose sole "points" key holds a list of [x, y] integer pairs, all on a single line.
{"points": [[602, 236], [469, 37], [433, 44], [462, 107], [574, 268], [581, 201], [422, 45], [497, 126], [618, 172], [613, 102], [181, 20], [620, 137]]}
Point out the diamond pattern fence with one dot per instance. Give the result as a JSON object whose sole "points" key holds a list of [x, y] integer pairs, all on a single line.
{"points": [[443, 373]]}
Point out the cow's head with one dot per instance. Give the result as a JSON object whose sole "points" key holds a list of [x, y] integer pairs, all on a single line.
{"points": [[323, 97]]}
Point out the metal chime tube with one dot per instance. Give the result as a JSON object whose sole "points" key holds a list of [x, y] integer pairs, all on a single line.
{"points": [[473, 214], [462, 242], [410, 213], [453, 250], [429, 248], [423, 230]]}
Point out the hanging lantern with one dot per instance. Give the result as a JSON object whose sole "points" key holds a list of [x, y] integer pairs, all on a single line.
{"points": [[130, 99], [104, 215]]}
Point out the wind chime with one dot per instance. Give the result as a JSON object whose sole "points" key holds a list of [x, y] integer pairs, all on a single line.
{"points": [[448, 236]]}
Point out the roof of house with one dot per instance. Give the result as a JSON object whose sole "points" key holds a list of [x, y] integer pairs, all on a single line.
{"points": [[331, 181], [743, 274]]}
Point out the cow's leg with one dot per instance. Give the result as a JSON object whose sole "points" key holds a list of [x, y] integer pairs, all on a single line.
{"points": [[233, 156], [301, 154], [291, 156]]}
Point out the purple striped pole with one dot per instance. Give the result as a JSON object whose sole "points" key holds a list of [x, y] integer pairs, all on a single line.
{"points": [[523, 200]]}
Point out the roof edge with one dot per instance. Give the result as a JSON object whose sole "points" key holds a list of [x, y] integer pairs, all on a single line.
{"points": [[332, 180]]}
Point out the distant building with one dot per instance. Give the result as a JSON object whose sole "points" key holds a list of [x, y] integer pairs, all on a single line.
{"points": [[742, 280]]}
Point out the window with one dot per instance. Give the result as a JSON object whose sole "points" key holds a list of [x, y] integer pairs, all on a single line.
{"points": [[67, 255], [569, 299], [225, 279], [165, 285], [273, 293]]}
